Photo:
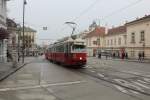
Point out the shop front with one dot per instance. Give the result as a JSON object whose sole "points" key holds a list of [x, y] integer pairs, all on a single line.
{"points": [[3, 45]]}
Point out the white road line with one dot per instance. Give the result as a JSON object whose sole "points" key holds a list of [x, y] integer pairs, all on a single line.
{"points": [[101, 75], [134, 92], [142, 81], [60, 84], [42, 85], [147, 79], [92, 71], [144, 86], [121, 89]]}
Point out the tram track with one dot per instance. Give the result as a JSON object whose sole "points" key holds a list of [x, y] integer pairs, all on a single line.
{"points": [[123, 83]]}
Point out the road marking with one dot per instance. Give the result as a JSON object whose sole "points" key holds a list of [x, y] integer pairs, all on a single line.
{"points": [[92, 71], [142, 81], [147, 79], [121, 89], [101, 75], [60, 84], [134, 92], [141, 85], [128, 84], [41, 85]]}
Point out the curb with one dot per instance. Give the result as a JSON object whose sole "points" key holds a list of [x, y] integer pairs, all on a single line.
{"points": [[12, 71], [133, 61]]}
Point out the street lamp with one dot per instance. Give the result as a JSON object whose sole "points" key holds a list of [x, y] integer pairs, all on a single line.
{"points": [[19, 37], [23, 47]]}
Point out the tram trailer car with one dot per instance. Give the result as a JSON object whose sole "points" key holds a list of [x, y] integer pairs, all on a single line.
{"points": [[69, 53]]}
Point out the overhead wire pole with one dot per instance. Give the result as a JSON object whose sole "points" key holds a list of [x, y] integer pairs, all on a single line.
{"points": [[23, 42]]}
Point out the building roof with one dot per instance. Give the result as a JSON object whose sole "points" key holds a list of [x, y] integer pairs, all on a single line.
{"points": [[28, 29], [11, 23], [145, 18], [117, 30], [98, 31]]}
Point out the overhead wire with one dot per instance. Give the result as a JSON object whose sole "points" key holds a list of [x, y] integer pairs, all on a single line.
{"points": [[121, 9], [106, 16], [83, 12]]}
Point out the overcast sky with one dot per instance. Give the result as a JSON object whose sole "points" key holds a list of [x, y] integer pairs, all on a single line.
{"points": [[54, 13]]}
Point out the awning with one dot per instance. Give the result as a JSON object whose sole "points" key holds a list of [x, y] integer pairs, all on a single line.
{"points": [[3, 33]]}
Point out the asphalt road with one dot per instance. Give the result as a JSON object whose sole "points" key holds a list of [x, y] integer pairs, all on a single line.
{"points": [[99, 80]]}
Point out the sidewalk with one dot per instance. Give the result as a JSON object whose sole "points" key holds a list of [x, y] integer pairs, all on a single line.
{"points": [[134, 60], [128, 60], [6, 69]]}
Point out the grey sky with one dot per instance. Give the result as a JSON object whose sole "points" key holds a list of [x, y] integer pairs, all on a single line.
{"points": [[54, 13]]}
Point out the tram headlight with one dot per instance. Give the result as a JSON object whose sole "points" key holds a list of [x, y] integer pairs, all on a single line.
{"points": [[80, 58]]}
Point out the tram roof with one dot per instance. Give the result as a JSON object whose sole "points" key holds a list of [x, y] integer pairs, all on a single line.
{"points": [[66, 41]]}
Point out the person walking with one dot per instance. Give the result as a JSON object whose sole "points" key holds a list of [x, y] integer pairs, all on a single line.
{"points": [[126, 55], [143, 55], [99, 55], [139, 55]]}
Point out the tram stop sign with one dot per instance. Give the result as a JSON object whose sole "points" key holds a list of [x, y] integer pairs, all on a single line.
{"points": [[45, 28]]}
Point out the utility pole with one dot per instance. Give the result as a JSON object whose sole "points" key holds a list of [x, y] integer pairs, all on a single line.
{"points": [[23, 46]]}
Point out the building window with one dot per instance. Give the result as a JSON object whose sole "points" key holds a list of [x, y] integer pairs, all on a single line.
{"points": [[89, 42], [98, 41], [132, 37], [119, 41], [95, 42], [125, 39], [111, 42], [108, 42], [115, 41], [142, 36]]}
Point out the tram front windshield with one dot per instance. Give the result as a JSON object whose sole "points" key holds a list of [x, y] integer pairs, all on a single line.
{"points": [[78, 48]]}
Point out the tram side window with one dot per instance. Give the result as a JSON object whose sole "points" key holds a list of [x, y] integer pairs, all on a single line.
{"points": [[60, 48], [65, 48]]}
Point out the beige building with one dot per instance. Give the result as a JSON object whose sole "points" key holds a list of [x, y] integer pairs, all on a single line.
{"points": [[115, 40], [138, 37], [95, 40], [29, 39]]}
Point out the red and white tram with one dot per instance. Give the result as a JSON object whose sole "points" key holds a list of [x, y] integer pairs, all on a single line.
{"points": [[68, 52]]}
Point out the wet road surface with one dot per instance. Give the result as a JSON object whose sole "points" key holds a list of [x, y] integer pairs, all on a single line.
{"points": [[99, 80]]}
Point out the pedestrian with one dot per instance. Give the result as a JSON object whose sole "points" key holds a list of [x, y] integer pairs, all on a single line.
{"points": [[139, 55], [9, 56], [114, 55], [126, 55], [106, 56], [99, 55], [143, 55], [123, 55]]}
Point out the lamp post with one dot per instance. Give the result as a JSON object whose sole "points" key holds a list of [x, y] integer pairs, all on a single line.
{"points": [[143, 50], [19, 35], [23, 46]]}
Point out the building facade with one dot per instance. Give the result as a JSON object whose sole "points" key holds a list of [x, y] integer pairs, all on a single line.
{"points": [[12, 45], [95, 40], [29, 40], [116, 40], [138, 33], [3, 31]]}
